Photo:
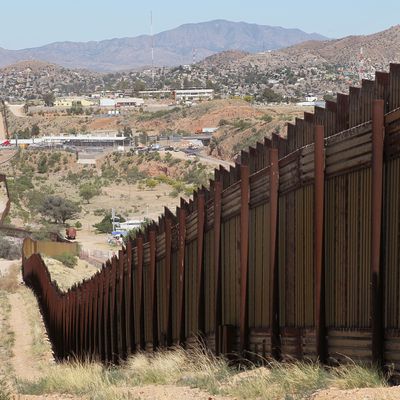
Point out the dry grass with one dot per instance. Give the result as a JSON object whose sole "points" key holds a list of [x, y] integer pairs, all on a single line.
{"points": [[200, 369], [66, 277], [9, 281], [353, 376], [6, 343]]}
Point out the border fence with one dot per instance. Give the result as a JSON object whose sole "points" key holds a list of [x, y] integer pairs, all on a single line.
{"points": [[292, 253]]}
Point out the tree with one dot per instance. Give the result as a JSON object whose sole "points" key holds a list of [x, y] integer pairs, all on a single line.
{"points": [[59, 209], [143, 137], [35, 130], [87, 191], [127, 131], [42, 166], [49, 99], [269, 96], [105, 225]]}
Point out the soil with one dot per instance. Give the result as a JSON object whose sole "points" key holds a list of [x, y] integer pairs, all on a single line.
{"points": [[23, 362], [2, 128]]}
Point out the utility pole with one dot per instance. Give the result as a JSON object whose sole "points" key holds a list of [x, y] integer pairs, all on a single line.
{"points": [[152, 47]]}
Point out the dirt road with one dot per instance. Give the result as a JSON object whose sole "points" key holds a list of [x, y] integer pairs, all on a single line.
{"points": [[2, 128]]}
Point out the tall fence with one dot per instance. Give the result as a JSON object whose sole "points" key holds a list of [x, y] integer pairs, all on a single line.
{"points": [[293, 252], [50, 248]]}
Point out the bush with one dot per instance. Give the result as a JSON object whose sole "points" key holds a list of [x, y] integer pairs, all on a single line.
{"points": [[68, 259], [8, 249], [266, 118], [105, 225]]}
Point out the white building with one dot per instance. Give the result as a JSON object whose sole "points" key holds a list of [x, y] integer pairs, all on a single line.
{"points": [[121, 102], [193, 94]]}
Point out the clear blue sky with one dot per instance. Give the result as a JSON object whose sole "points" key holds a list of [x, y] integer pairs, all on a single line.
{"points": [[29, 23]]}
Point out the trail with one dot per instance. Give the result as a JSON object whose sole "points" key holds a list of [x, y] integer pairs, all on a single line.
{"points": [[2, 128], [24, 364]]}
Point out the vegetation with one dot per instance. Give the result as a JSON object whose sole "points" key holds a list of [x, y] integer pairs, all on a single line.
{"points": [[201, 369], [105, 225], [9, 281], [8, 249], [270, 96], [88, 190], [59, 209], [68, 259], [147, 116]]}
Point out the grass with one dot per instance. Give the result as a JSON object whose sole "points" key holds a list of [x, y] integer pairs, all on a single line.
{"points": [[6, 343], [198, 368], [67, 277], [9, 281], [40, 347]]}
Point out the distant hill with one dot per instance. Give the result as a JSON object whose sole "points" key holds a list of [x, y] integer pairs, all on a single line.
{"points": [[172, 47], [377, 50]]}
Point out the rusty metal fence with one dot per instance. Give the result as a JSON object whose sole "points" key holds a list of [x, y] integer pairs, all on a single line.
{"points": [[293, 252]]}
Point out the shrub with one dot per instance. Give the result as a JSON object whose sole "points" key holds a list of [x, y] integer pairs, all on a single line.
{"points": [[266, 118], [8, 249], [68, 259]]}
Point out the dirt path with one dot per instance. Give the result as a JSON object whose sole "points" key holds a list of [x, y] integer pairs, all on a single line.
{"points": [[17, 110], [2, 128], [24, 364]]}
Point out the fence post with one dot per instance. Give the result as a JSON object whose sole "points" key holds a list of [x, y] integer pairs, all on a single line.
{"points": [[121, 305], [217, 254], [378, 134], [113, 317], [128, 297], [168, 243], [181, 266], [273, 218], [244, 250], [139, 279], [319, 182], [200, 245], [152, 276]]}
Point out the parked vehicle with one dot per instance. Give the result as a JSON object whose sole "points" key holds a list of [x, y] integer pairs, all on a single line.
{"points": [[70, 233]]}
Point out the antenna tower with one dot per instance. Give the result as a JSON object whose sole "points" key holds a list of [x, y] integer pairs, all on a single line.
{"points": [[152, 46]]}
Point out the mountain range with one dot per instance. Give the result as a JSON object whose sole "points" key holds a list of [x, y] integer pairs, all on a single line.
{"points": [[182, 45]]}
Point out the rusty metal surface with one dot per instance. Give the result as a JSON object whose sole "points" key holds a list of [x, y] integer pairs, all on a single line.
{"points": [[292, 253]]}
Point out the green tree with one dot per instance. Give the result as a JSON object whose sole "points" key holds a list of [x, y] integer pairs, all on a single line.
{"points": [[35, 130], [59, 209], [105, 225], [42, 166], [269, 96], [127, 131], [151, 183], [49, 99], [143, 137], [87, 191]]}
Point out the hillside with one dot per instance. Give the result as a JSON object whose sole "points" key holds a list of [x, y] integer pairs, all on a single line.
{"points": [[172, 47], [32, 79]]}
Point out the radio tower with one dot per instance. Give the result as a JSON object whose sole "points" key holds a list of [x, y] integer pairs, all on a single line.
{"points": [[152, 46]]}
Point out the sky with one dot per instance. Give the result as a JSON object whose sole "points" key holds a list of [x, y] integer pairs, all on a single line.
{"points": [[31, 23]]}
